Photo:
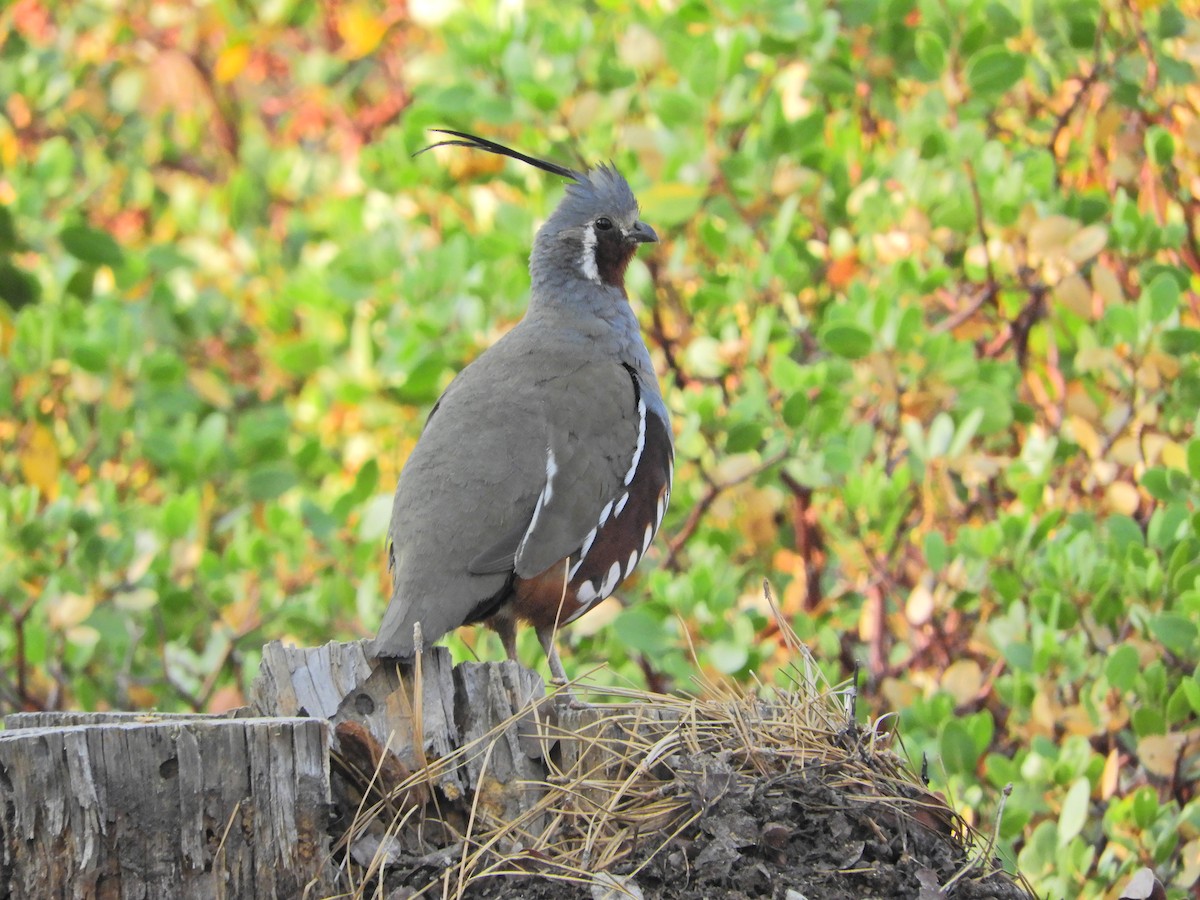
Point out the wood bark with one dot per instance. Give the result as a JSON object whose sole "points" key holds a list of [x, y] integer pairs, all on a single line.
{"points": [[132, 805], [145, 806]]}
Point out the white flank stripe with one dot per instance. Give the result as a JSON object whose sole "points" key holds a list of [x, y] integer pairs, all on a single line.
{"points": [[633, 560], [621, 504], [670, 470], [587, 545], [587, 259], [647, 539], [537, 510], [586, 593], [611, 579], [543, 498], [604, 514], [659, 514], [641, 443], [551, 471]]}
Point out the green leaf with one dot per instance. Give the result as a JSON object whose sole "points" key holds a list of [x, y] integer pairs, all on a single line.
{"points": [[957, 747], [90, 245], [1191, 690], [931, 51], [1122, 667], [994, 70], [1180, 341], [17, 288], [640, 630], [1176, 632], [936, 552], [91, 357], [795, 409], [743, 437], [728, 657], [1193, 458], [846, 340], [269, 482], [1074, 811], [670, 204], [1162, 296], [1160, 145]]}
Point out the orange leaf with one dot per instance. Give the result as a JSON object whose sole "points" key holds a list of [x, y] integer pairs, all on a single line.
{"points": [[231, 62], [360, 30], [40, 463]]}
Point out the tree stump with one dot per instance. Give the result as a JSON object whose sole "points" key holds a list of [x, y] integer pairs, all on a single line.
{"points": [[177, 806], [348, 776]]}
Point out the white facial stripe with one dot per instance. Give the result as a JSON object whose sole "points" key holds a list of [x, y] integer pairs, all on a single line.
{"points": [[641, 443], [587, 259], [621, 504]]}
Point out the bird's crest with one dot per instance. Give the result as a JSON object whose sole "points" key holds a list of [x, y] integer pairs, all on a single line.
{"points": [[477, 143]]}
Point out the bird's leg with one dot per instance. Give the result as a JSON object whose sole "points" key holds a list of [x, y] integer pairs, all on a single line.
{"points": [[506, 627], [546, 636]]}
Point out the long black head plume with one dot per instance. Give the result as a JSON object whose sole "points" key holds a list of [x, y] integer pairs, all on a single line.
{"points": [[478, 143]]}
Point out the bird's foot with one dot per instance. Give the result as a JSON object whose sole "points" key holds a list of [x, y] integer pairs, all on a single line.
{"points": [[564, 695]]}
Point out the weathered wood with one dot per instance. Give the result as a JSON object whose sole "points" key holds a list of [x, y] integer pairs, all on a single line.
{"points": [[163, 807], [422, 717]]}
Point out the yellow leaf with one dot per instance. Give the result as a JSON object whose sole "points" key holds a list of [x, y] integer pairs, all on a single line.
{"points": [[360, 30], [1084, 434], [1159, 753], [1190, 855], [1049, 236], [69, 610], [919, 608], [963, 680], [1074, 294], [1087, 243], [1110, 778], [231, 62], [1122, 498], [40, 463], [1108, 286], [211, 388], [1175, 456]]}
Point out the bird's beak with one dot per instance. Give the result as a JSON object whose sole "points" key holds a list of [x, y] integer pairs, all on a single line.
{"points": [[641, 233]]}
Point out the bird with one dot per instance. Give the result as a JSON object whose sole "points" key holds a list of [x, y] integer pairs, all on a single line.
{"points": [[544, 470]]}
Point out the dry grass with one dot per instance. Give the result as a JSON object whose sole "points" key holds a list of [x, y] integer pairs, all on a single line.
{"points": [[624, 779]]}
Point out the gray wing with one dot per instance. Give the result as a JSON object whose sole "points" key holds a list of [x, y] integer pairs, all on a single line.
{"points": [[474, 504]]}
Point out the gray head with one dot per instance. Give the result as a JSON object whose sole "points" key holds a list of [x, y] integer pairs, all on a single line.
{"points": [[593, 233]]}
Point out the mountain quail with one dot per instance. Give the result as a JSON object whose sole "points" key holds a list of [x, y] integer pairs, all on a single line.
{"points": [[544, 470]]}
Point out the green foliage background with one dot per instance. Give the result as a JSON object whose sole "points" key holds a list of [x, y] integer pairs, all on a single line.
{"points": [[926, 310]]}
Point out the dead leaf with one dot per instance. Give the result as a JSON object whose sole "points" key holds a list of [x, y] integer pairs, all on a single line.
{"points": [[1122, 497], [919, 608], [1144, 886], [40, 463], [1110, 777], [360, 30], [231, 62], [1159, 753], [963, 680]]}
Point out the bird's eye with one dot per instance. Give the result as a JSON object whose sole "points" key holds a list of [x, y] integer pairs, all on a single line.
{"points": [[604, 223]]}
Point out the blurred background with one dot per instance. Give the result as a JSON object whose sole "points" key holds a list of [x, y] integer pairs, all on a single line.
{"points": [[925, 310]]}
